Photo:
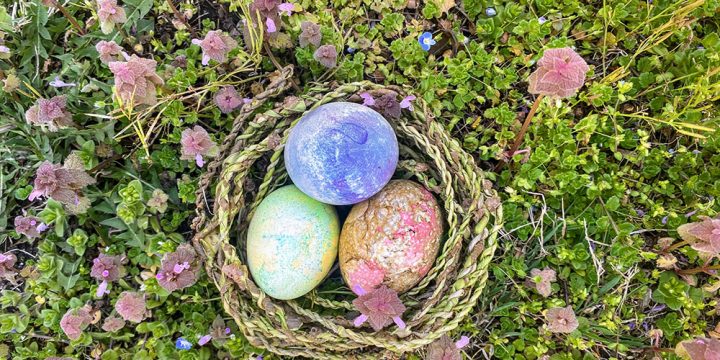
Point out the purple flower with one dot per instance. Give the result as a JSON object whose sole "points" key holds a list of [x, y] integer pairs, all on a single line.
{"points": [[381, 307], [29, 226], [61, 183], [109, 14], [196, 143], [74, 322], [215, 46], [445, 349], [426, 41], [131, 306], [286, 8], [179, 269], [51, 112], [107, 267], [490, 12], [4, 49], [388, 105], [204, 340], [270, 23], [326, 55], [58, 83], [542, 20], [227, 99], [368, 100], [405, 103], [310, 34]]}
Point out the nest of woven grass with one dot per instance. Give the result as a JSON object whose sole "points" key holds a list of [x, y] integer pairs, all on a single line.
{"points": [[319, 325]]}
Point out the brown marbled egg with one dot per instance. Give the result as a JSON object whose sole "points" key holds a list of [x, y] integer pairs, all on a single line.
{"points": [[391, 238]]}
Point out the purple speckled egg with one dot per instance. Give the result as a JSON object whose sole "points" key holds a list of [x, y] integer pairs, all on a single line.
{"points": [[341, 153]]}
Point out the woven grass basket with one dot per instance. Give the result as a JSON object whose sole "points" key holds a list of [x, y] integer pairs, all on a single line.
{"points": [[250, 166]]}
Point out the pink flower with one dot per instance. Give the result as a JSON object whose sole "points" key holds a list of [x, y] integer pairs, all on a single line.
{"points": [[135, 80], [310, 34], [560, 73], [704, 236], [215, 46], [61, 183], [561, 320], [113, 324], [445, 349], [131, 306], [196, 143], [109, 51], [381, 307], [326, 55], [405, 103], [50, 112], [699, 349], [74, 322], [388, 105], [107, 267], [368, 99], [178, 269], [286, 8], [110, 14], [227, 99], [7, 267], [29, 226], [541, 280]]}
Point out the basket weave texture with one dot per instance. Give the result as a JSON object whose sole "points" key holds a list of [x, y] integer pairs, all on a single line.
{"points": [[319, 325]]}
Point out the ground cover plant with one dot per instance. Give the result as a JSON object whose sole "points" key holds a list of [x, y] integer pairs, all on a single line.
{"points": [[111, 110]]}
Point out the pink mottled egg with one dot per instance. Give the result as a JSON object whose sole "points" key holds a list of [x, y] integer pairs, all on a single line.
{"points": [[391, 238]]}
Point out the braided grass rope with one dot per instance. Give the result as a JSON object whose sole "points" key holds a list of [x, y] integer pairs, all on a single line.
{"points": [[319, 325]]}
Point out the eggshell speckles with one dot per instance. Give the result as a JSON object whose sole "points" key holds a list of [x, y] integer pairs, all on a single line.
{"points": [[341, 153], [292, 243], [392, 238]]}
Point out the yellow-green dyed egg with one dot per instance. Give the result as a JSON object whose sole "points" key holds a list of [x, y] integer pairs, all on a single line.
{"points": [[292, 243]]}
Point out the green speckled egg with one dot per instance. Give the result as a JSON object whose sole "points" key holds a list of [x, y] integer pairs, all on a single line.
{"points": [[292, 243]]}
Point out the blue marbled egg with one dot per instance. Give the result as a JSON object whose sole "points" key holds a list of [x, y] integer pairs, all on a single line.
{"points": [[291, 243], [341, 153]]}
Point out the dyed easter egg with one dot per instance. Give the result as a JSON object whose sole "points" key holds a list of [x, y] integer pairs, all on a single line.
{"points": [[341, 153], [291, 243], [391, 238]]}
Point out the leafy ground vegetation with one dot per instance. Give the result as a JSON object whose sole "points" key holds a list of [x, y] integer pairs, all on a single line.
{"points": [[109, 112]]}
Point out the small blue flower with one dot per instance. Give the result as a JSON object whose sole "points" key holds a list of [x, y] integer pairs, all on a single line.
{"points": [[490, 12], [426, 41], [182, 344], [542, 20]]}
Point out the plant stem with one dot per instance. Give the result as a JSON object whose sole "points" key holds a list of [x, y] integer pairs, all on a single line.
{"points": [[676, 246], [699, 270], [181, 17], [67, 15], [521, 134]]}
